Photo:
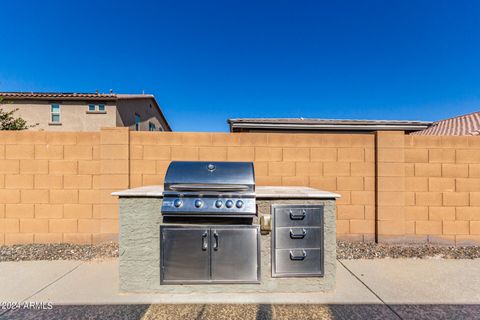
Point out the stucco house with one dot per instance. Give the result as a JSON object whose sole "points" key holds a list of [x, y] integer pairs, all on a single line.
{"points": [[53, 111]]}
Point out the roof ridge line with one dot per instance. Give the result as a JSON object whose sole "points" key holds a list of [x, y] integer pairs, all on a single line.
{"points": [[459, 116]]}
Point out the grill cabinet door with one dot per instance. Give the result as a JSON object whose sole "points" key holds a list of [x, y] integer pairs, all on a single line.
{"points": [[235, 254], [185, 254]]}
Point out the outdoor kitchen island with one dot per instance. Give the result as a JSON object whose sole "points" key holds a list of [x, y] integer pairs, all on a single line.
{"points": [[140, 242]]}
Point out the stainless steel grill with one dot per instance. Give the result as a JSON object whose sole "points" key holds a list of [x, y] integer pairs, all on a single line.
{"points": [[209, 189], [223, 246]]}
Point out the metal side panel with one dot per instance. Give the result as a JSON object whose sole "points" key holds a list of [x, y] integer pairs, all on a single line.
{"points": [[185, 254], [235, 254]]}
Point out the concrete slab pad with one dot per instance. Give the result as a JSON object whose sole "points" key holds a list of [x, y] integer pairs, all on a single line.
{"points": [[20, 280], [420, 281], [97, 283], [90, 283]]}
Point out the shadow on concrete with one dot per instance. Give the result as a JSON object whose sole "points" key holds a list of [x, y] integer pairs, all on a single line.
{"points": [[438, 311], [254, 312]]}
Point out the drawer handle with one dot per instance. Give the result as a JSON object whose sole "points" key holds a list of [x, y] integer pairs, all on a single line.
{"points": [[301, 216], [294, 235], [295, 257]]}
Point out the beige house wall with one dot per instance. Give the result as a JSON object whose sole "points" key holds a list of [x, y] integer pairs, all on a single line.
{"points": [[74, 115], [145, 108], [55, 186]]}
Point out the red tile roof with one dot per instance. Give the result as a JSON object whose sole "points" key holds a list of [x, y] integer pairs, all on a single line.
{"points": [[54, 95], [464, 125], [71, 95]]}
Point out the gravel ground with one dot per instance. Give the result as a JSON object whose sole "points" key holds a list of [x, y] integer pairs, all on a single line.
{"points": [[345, 250], [370, 250], [58, 251]]}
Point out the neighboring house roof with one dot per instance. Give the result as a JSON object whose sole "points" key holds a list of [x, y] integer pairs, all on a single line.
{"points": [[324, 124], [57, 95], [464, 125], [81, 96]]}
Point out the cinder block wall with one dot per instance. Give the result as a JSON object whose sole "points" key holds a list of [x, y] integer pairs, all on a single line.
{"points": [[342, 163], [47, 183], [55, 187], [442, 189]]}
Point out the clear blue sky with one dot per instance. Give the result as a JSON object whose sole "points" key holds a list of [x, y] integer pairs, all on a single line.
{"points": [[206, 61]]}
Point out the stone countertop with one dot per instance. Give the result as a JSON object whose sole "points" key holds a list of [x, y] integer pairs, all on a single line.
{"points": [[261, 193]]}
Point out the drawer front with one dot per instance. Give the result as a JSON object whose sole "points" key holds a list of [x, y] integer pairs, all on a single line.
{"points": [[292, 217], [298, 262], [298, 237]]}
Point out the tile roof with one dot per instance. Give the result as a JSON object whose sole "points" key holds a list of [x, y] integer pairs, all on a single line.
{"points": [[54, 95], [71, 95], [464, 125]]}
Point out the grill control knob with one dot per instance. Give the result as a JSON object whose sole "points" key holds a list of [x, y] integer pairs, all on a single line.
{"points": [[177, 203], [198, 203], [218, 203], [229, 203], [239, 204]]}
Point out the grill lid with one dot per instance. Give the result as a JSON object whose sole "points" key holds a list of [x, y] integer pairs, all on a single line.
{"points": [[210, 176], [209, 189]]}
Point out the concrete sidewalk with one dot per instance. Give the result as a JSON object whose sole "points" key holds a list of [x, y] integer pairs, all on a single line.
{"points": [[386, 281]]}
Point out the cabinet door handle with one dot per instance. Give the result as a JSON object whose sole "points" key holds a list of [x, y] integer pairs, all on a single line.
{"points": [[298, 257], [205, 241], [301, 216], [215, 243], [294, 235]]}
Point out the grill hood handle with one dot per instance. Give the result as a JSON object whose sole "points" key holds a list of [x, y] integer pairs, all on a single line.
{"points": [[207, 187]]}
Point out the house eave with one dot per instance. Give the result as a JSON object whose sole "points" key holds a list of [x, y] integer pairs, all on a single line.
{"points": [[329, 127]]}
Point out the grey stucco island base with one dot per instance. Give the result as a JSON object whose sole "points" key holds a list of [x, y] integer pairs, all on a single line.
{"points": [[140, 221]]}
